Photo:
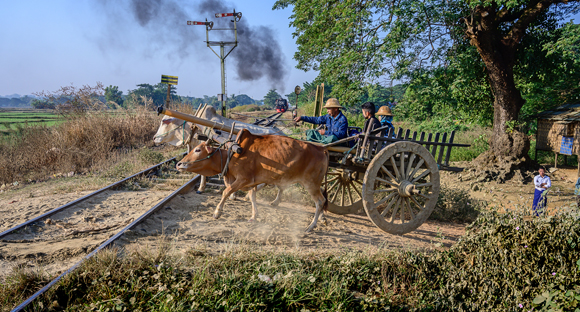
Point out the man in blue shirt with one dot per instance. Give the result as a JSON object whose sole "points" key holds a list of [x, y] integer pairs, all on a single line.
{"points": [[335, 121], [541, 182]]}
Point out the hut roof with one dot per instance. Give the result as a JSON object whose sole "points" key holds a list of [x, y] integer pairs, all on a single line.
{"points": [[567, 112]]}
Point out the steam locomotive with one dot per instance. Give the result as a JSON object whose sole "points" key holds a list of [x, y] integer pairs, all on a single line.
{"points": [[281, 105]]}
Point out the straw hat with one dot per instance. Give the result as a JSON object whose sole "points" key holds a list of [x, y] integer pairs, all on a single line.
{"points": [[332, 103], [384, 111]]}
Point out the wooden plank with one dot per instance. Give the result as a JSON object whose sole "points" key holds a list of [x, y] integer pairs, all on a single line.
{"points": [[407, 134], [434, 148], [354, 137], [422, 137], [451, 137], [371, 148], [442, 148], [414, 136], [433, 143], [427, 146], [400, 133], [364, 145], [389, 135]]}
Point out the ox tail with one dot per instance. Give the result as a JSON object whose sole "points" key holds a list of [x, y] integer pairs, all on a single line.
{"points": [[325, 192]]}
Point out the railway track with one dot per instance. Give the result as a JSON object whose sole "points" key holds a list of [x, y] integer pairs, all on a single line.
{"points": [[83, 227], [268, 121]]}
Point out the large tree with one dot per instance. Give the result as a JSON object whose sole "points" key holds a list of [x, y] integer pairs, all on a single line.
{"points": [[355, 42], [112, 94]]}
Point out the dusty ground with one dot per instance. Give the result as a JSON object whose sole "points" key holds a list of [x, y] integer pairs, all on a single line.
{"points": [[189, 220], [519, 196]]}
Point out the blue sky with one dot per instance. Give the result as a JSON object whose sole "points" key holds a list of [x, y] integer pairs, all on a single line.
{"points": [[48, 44]]}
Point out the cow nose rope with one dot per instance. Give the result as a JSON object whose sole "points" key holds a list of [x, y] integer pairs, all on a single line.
{"points": [[175, 129], [228, 158]]}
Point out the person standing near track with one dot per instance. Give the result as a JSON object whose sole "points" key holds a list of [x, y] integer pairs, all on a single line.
{"points": [[542, 183]]}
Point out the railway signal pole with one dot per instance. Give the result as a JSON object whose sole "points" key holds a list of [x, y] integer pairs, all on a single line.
{"points": [[222, 44]]}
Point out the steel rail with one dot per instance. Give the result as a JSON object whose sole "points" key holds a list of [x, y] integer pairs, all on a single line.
{"points": [[187, 187], [76, 201], [273, 120], [259, 121]]}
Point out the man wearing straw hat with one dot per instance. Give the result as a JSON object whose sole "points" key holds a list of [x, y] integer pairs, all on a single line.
{"points": [[335, 121], [385, 116]]}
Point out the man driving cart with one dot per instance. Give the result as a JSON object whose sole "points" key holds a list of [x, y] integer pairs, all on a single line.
{"points": [[336, 124]]}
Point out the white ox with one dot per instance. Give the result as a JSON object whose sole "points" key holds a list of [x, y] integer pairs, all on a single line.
{"points": [[178, 132]]}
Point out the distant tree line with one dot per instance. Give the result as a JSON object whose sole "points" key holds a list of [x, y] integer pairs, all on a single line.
{"points": [[88, 97], [21, 102]]}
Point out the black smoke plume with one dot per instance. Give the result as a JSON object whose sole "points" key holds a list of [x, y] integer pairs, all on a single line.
{"points": [[258, 53]]}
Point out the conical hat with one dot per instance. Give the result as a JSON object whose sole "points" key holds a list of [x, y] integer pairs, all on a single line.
{"points": [[384, 111], [332, 103]]}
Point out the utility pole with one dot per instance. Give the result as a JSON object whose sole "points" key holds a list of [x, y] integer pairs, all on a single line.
{"points": [[222, 44]]}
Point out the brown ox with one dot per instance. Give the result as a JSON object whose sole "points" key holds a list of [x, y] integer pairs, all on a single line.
{"points": [[270, 159]]}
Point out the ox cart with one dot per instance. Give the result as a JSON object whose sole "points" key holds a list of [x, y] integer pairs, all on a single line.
{"points": [[392, 176]]}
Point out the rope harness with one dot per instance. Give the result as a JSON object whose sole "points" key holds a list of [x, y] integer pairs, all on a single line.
{"points": [[183, 140], [228, 158], [343, 161]]}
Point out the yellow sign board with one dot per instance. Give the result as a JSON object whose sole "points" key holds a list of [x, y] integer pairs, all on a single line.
{"points": [[172, 80]]}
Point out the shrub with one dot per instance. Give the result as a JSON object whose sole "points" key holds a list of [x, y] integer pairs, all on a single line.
{"points": [[245, 108], [83, 141], [456, 205], [150, 157]]}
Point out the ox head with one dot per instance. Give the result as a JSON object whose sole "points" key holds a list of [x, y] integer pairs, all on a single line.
{"points": [[174, 132], [201, 160]]}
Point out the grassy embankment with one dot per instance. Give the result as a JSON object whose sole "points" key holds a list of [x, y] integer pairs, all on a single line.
{"points": [[505, 262]]}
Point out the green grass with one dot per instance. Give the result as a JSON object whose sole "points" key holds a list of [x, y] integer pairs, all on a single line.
{"points": [[504, 261], [10, 120]]}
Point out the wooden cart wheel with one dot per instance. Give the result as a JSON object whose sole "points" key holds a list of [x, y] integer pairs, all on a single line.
{"points": [[401, 187], [344, 189]]}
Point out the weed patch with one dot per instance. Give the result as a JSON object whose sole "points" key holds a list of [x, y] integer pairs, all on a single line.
{"points": [[77, 145], [503, 261]]}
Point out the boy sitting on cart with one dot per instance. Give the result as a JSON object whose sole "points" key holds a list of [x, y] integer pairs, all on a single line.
{"points": [[335, 121]]}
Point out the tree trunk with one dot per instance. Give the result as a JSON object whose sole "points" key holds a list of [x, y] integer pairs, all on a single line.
{"points": [[507, 141], [498, 54]]}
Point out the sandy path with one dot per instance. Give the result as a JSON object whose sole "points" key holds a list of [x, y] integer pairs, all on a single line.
{"points": [[188, 219]]}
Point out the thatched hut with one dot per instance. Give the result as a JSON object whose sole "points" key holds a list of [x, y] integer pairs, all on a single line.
{"points": [[559, 131]]}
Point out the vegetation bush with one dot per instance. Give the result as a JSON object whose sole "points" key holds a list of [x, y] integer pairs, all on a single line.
{"points": [[150, 157], [76, 145], [245, 108], [456, 205], [505, 262]]}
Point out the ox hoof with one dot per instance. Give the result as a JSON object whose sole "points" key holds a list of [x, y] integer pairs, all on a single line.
{"points": [[252, 220], [217, 215], [274, 204], [198, 192]]}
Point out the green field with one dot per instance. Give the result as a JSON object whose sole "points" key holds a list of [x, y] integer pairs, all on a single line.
{"points": [[10, 119]]}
